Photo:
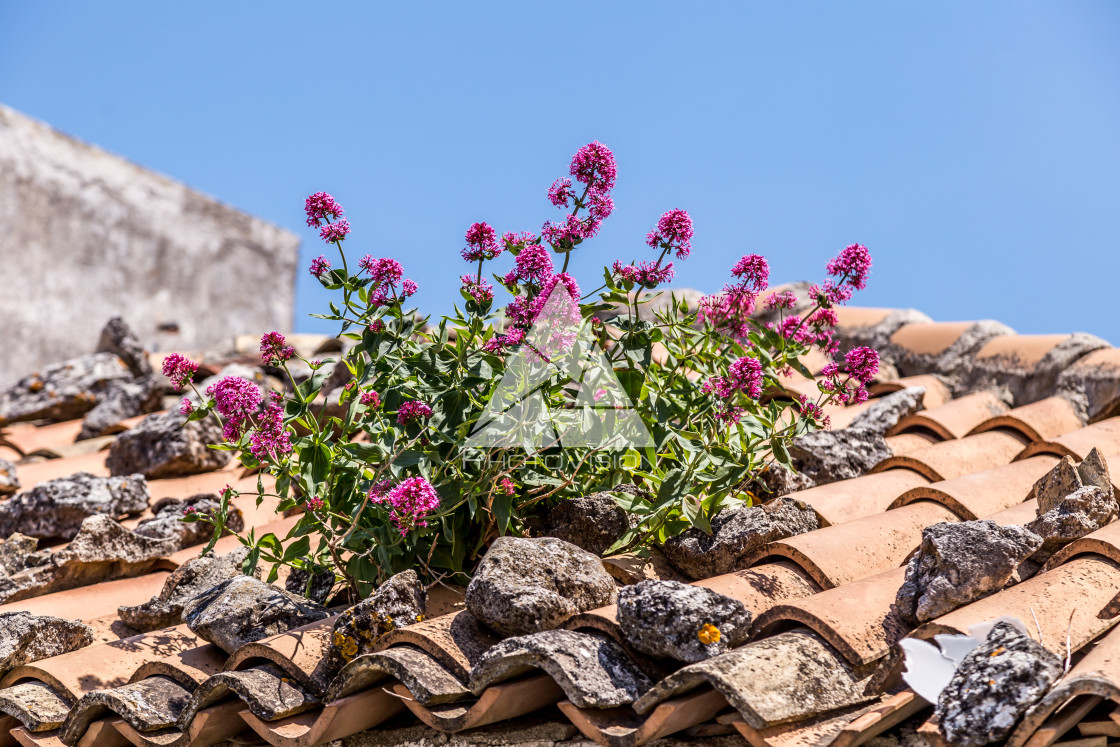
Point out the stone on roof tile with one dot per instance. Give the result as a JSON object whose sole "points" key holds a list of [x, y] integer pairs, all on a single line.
{"points": [[9, 480], [56, 509], [245, 609], [62, 391], [1094, 382], [36, 705], [167, 445], [25, 638], [150, 704], [427, 680]]}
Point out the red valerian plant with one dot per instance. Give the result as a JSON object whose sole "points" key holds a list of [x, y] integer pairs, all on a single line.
{"points": [[391, 470]]}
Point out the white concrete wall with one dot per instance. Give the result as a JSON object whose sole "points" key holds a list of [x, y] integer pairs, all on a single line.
{"points": [[85, 234]]}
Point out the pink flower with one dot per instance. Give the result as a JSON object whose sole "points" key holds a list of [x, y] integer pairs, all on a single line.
{"points": [[370, 399], [412, 411], [556, 315], [513, 240], [180, 370], [862, 364], [506, 485], [674, 230], [813, 412], [645, 274], [335, 231], [569, 233], [275, 350], [321, 207], [235, 399], [783, 300], [753, 272], [599, 394], [410, 502], [594, 165], [481, 243], [189, 510], [186, 407], [745, 375], [320, 266], [560, 192], [383, 270], [728, 311], [851, 266], [271, 439], [316, 504], [600, 204], [480, 290], [377, 327], [408, 288], [533, 264]]}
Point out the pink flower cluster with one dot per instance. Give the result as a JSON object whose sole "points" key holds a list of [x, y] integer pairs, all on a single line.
{"points": [[847, 385], [235, 399], [481, 243], [561, 192], [316, 504], [533, 265], [275, 349], [180, 370], [186, 407], [481, 291], [674, 231], [506, 486], [370, 399], [409, 502], [386, 274], [337, 231], [848, 271], [321, 207], [730, 310], [645, 274], [743, 376], [271, 439], [594, 166], [320, 266], [410, 412]]}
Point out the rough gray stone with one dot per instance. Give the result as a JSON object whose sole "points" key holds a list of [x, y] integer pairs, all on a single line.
{"points": [[319, 590], [737, 532], [9, 480], [886, 411], [960, 562], [35, 704], [427, 680], [1084, 511], [528, 585], [1051, 489], [398, 602], [829, 456], [245, 609], [166, 445], [1028, 383], [101, 550], [593, 522], [14, 553], [1094, 471], [671, 619], [593, 672], [1093, 385], [25, 638], [63, 391], [186, 582], [951, 362], [268, 692], [117, 338], [995, 684], [148, 704], [168, 514], [56, 509], [123, 400]]}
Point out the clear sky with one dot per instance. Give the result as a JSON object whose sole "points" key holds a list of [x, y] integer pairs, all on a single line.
{"points": [[973, 147]]}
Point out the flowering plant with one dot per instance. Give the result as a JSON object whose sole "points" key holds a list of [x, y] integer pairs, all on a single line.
{"points": [[449, 435]]}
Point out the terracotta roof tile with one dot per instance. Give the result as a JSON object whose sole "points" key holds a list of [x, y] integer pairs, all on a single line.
{"points": [[350, 715], [956, 418], [499, 702], [847, 500], [1104, 435], [33, 473], [949, 459], [937, 393], [932, 338], [622, 727], [982, 494], [1038, 421], [95, 601]]}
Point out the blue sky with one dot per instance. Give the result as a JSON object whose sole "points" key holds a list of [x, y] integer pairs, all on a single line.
{"points": [[973, 147]]}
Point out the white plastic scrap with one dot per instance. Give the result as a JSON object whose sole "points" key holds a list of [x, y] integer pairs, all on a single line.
{"points": [[929, 668]]}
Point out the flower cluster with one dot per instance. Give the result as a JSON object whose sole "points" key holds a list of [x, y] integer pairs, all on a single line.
{"points": [[848, 273], [180, 370], [481, 243], [743, 376], [481, 291], [275, 349], [186, 407], [316, 504], [271, 439], [409, 502], [644, 274], [336, 231], [561, 192], [386, 274], [370, 399], [848, 384], [594, 166], [674, 231], [235, 399], [731, 309], [410, 412], [320, 266], [320, 208]]}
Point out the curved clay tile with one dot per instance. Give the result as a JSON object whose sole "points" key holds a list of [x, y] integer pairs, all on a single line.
{"points": [[1097, 675], [1083, 586], [1018, 514], [1039, 421], [457, 641], [936, 394], [209, 726], [860, 317], [300, 652], [955, 418], [94, 601], [425, 677], [909, 443], [619, 727], [931, 338], [844, 553], [499, 702], [847, 500], [948, 459], [36, 705], [108, 664], [856, 619], [785, 677], [982, 494], [843, 416], [872, 327], [1105, 542], [338, 719], [1096, 377], [36, 472], [197, 664], [1104, 435], [30, 438], [265, 690]]}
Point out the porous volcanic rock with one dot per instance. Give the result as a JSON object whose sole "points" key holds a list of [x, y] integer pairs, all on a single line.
{"points": [[668, 618], [56, 509], [62, 391], [123, 400], [960, 562], [735, 532], [168, 514], [1084, 511], [186, 582], [117, 338], [167, 445], [245, 609], [592, 522], [1052, 488], [528, 585], [14, 553], [9, 480], [322, 583], [829, 456], [398, 602], [25, 638], [995, 684]]}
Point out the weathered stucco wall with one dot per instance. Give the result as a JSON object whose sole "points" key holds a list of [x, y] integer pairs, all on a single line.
{"points": [[85, 234]]}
